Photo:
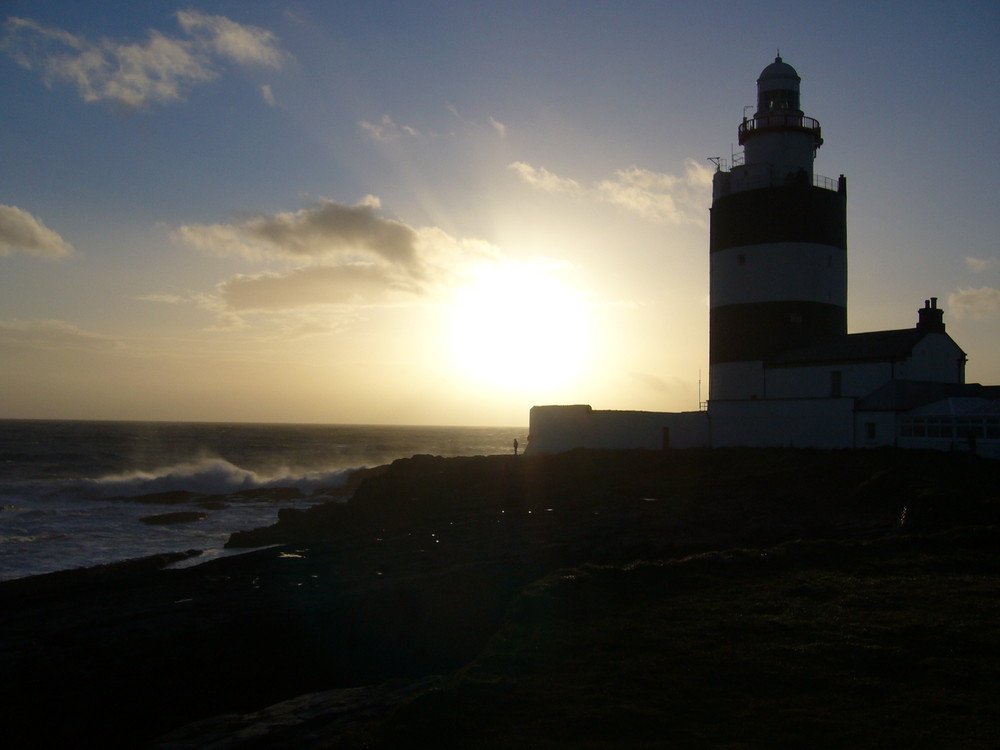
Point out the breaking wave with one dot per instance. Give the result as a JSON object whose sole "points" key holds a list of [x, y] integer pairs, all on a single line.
{"points": [[215, 476]]}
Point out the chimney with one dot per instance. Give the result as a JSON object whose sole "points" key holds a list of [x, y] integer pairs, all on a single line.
{"points": [[930, 318]]}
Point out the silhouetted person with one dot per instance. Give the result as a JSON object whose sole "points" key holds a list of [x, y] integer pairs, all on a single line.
{"points": [[515, 446]]}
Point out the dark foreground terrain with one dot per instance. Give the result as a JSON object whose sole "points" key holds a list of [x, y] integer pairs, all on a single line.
{"points": [[687, 599]]}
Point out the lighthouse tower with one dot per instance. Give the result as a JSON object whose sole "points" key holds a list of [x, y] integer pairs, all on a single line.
{"points": [[778, 249]]}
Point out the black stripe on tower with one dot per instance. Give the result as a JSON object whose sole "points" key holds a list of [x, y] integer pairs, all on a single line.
{"points": [[780, 214], [761, 330]]}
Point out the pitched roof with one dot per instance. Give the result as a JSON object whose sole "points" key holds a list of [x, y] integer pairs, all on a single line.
{"points": [[876, 346]]}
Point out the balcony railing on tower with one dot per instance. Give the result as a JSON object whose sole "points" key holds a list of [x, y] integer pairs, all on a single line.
{"points": [[740, 179], [780, 122]]}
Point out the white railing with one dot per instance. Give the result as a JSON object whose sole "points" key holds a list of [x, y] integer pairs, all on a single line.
{"points": [[827, 183]]}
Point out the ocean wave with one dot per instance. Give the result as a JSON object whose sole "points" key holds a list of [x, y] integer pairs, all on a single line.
{"points": [[215, 476]]}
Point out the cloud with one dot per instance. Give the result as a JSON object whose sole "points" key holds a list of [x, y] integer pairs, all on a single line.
{"points": [[979, 265], [166, 299], [268, 95], [244, 45], [661, 197], [445, 262], [51, 335], [345, 257], [975, 303], [315, 285], [652, 195], [327, 229], [159, 70], [542, 179], [499, 127], [320, 299], [385, 130], [20, 232]]}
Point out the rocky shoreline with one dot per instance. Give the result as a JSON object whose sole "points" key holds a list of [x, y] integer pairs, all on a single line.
{"points": [[590, 599]]}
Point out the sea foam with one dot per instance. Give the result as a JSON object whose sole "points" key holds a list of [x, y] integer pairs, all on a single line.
{"points": [[215, 476]]}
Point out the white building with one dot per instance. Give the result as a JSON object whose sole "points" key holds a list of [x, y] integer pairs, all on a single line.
{"points": [[783, 370]]}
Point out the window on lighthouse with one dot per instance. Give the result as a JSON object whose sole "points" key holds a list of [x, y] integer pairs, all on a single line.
{"points": [[779, 99]]}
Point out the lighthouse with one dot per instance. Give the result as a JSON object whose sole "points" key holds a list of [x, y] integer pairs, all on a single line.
{"points": [[783, 370], [778, 246]]}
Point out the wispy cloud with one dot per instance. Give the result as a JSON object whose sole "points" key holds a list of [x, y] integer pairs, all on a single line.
{"points": [[980, 265], [22, 233], [542, 179], [356, 284], [245, 45], [51, 335], [499, 127], [977, 304], [158, 70], [385, 130], [166, 299], [677, 199], [657, 196], [268, 95]]}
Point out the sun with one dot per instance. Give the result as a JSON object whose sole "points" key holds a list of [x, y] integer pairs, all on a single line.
{"points": [[516, 327]]}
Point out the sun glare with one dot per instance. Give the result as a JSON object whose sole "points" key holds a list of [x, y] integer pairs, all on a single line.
{"points": [[517, 328]]}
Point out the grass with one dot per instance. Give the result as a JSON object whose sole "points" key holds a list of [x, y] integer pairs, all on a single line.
{"points": [[888, 644]]}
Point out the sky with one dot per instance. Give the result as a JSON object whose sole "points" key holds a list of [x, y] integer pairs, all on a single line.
{"points": [[445, 213]]}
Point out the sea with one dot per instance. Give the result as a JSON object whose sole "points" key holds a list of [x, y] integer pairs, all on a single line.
{"points": [[75, 493]]}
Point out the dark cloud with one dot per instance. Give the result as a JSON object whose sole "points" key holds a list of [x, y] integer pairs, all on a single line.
{"points": [[331, 227], [321, 231], [22, 233]]}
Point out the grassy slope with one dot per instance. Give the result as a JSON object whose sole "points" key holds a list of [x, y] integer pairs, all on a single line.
{"points": [[889, 643]]}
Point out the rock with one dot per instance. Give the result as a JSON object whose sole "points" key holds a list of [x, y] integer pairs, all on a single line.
{"points": [[182, 516], [169, 497]]}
